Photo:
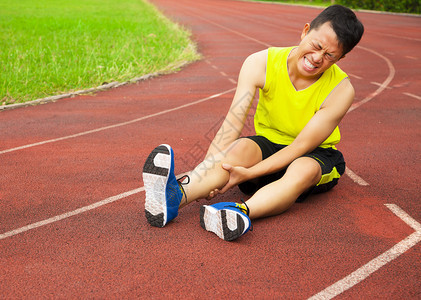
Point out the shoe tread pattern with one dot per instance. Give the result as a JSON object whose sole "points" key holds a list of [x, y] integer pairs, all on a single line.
{"points": [[230, 235], [150, 167], [151, 182], [218, 223], [155, 220]]}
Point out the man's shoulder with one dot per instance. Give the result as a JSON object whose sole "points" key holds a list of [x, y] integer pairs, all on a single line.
{"points": [[334, 75], [278, 52]]}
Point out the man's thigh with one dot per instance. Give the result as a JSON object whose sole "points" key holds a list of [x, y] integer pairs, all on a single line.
{"points": [[331, 162], [333, 167]]}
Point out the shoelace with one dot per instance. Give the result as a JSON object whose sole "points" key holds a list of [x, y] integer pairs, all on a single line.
{"points": [[181, 183]]}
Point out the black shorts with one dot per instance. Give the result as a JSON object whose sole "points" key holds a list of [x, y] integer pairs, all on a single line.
{"points": [[330, 160]]}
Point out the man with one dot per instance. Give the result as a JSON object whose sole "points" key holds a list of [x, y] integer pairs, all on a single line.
{"points": [[303, 97]]}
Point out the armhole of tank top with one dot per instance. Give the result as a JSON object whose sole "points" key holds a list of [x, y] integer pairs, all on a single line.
{"points": [[346, 77], [266, 73]]}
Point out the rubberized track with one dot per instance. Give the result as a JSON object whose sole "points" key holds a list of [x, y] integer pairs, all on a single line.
{"points": [[71, 196]]}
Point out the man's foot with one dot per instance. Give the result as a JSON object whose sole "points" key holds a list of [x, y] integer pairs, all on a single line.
{"points": [[228, 220], [163, 192]]}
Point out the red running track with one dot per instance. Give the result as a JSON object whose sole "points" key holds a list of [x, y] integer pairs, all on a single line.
{"points": [[71, 197]]}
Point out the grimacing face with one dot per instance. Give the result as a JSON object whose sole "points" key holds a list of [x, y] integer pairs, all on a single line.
{"points": [[318, 50]]}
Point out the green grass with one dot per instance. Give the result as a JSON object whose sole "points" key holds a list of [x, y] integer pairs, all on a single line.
{"points": [[49, 47]]}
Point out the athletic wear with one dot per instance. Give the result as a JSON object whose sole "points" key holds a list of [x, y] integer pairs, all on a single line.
{"points": [[331, 162], [228, 220], [283, 111], [163, 191]]}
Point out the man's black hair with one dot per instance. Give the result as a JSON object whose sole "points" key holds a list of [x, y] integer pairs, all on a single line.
{"points": [[345, 24]]}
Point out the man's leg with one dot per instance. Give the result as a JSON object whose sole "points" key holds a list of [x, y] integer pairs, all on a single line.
{"points": [[209, 175], [230, 220], [279, 195], [163, 194]]}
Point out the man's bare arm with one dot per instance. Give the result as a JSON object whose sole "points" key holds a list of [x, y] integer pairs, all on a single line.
{"points": [[252, 76]]}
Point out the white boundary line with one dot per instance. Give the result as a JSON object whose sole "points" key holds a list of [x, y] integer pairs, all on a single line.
{"points": [[357, 179], [413, 96], [380, 261], [118, 124], [74, 212], [70, 213]]}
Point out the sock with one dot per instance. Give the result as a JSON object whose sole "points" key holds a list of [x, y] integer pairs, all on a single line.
{"points": [[243, 207]]}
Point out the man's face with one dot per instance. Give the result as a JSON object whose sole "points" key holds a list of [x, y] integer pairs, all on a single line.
{"points": [[319, 49]]}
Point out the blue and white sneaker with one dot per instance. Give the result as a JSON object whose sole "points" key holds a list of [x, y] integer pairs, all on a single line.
{"points": [[228, 220], [163, 191]]}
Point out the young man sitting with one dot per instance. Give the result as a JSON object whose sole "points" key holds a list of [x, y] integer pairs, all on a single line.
{"points": [[303, 97]]}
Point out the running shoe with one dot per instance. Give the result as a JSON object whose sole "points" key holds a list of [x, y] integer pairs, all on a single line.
{"points": [[228, 220], [163, 191]]}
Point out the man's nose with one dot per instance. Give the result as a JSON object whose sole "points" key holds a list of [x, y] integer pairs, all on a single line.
{"points": [[318, 56]]}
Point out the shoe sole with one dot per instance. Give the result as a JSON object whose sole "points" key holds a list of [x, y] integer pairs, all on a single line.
{"points": [[225, 223], [155, 177]]}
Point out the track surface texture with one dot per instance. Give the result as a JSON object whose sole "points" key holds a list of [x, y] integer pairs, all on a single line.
{"points": [[72, 221]]}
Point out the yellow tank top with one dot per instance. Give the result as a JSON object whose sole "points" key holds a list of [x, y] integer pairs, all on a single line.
{"points": [[282, 111]]}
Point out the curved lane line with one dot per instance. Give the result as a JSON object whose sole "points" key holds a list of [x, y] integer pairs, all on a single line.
{"points": [[382, 86], [362, 273]]}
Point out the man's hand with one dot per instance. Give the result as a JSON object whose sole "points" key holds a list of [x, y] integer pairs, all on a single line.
{"points": [[237, 176]]}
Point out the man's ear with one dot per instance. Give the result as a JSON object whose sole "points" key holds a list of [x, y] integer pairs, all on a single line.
{"points": [[306, 29]]}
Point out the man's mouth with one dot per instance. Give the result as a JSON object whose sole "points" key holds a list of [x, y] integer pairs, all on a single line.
{"points": [[308, 64]]}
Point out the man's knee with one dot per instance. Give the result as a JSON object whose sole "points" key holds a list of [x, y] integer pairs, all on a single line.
{"points": [[242, 152], [305, 170]]}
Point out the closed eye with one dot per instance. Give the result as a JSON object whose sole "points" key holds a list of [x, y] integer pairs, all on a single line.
{"points": [[330, 57]]}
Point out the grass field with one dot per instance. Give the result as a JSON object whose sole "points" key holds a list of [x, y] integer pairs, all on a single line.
{"points": [[50, 47]]}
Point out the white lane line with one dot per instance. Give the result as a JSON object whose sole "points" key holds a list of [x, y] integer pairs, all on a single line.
{"points": [[76, 212], [405, 217], [355, 76], [380, 261], [357, 179], [70, 213], [379, 84], [118, 124], [382, 86], [401, 37], [413, 96], [235, 32]]}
